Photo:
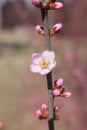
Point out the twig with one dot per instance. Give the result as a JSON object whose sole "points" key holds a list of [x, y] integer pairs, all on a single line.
{"points": [[45, 24]]}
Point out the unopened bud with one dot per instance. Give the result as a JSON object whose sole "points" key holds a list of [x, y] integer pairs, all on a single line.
{"points": [[55, 5], [56, 92], [66, 94], [56, 28], [40, 29]]}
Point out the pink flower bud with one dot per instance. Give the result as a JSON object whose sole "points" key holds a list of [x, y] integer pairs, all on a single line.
{"points": [[56, 108], [55, 5], [67, 94], [37, 3], [40, 29], [59, 82], [58, 5], [58, 26], [38, 113], [44, 106], [55, 28], [56, 92]]}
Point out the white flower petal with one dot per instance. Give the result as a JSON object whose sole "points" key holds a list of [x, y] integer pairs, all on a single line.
{"points": [[52, 65], [35, 68], [49, 55], [36, 55], [45, 53], [36, 60], [44, 71]]}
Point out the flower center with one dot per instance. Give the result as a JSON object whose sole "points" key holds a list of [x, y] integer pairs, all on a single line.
{"points": [[44, 63]]}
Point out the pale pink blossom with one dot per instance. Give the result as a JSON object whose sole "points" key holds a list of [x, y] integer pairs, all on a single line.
{"points": [[67, 94], [59, 82], [43, 63], [56, 92]]}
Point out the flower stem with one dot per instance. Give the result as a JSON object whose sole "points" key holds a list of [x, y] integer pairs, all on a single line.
{"points": [[45, 24]]}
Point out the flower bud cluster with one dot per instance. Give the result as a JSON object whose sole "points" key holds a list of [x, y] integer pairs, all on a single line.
{"points": [[55, 29], [47, 4], [59, 90], [43, 113]]}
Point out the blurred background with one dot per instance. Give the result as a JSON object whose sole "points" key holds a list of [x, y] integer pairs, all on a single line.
{"points": [[21, 91]]}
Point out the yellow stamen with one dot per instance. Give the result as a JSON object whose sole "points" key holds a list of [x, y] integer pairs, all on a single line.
{"points": [[44, 63]]}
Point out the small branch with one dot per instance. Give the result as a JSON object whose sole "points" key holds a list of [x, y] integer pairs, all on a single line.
{"points": [[50, 102], [45, 24], [0, 17]]}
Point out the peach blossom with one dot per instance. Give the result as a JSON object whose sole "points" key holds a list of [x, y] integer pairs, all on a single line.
{"points": [[43, 63]]}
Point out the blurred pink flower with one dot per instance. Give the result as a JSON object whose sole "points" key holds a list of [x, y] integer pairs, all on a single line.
{"points": [[43, 63], [56, 92], [1, 126], [79, 76], [69, 56]]}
